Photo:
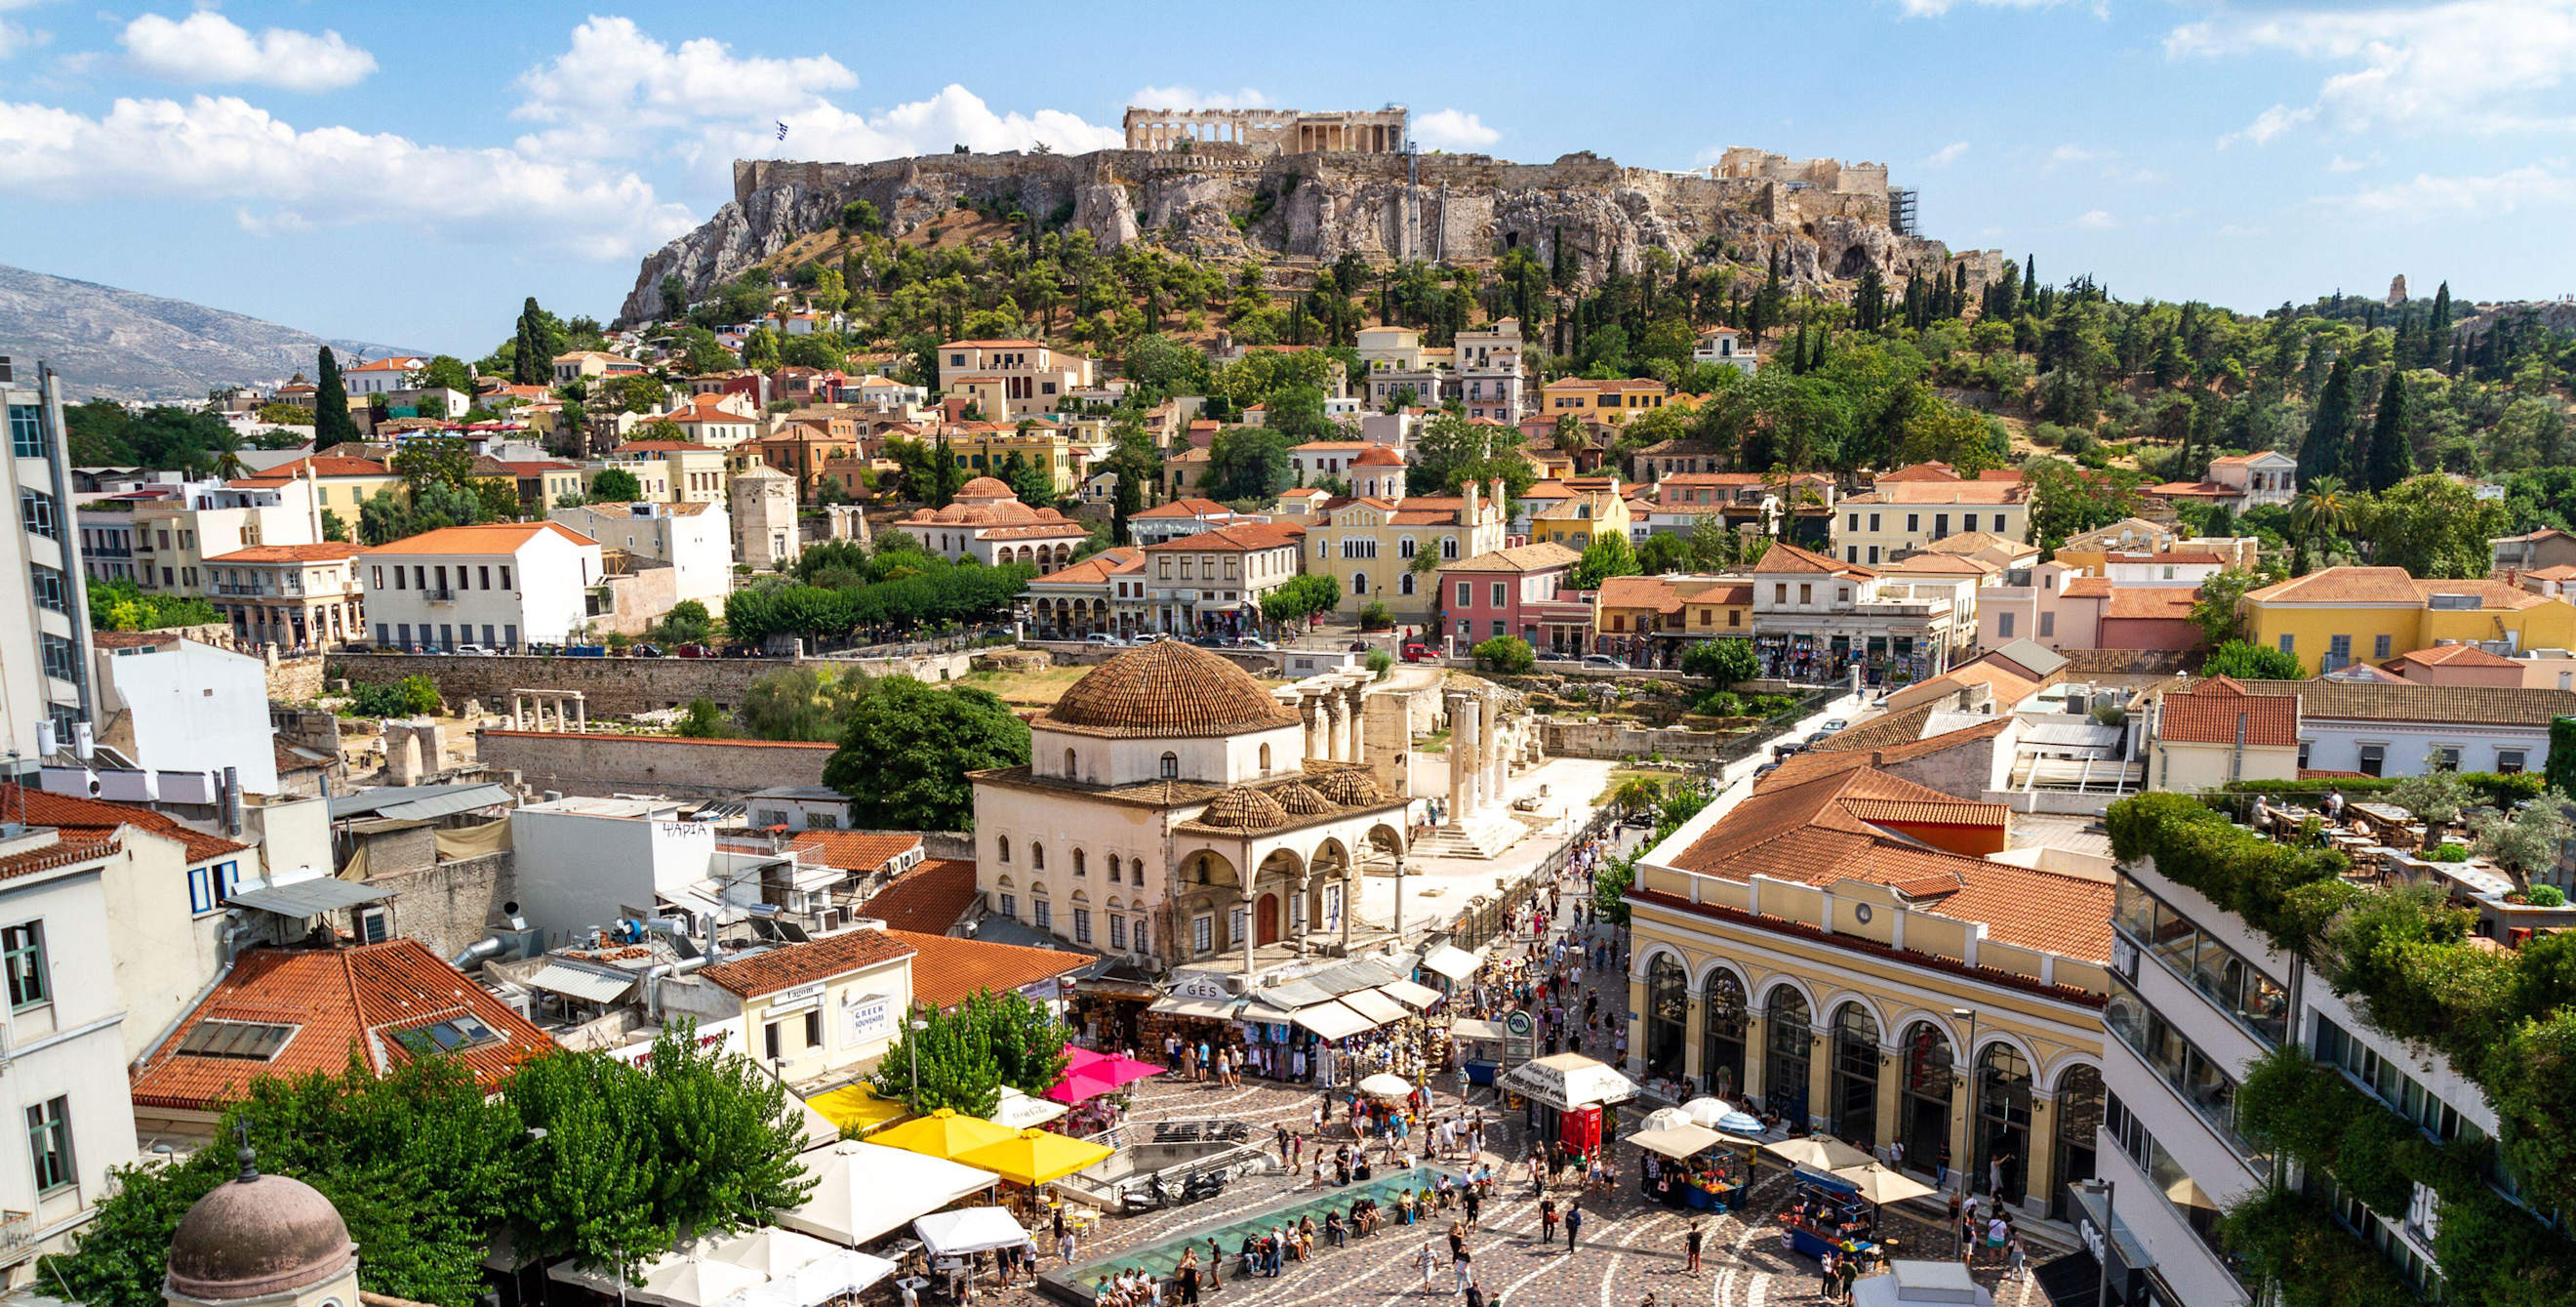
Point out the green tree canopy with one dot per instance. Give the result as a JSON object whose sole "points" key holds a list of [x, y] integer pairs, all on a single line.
{"points": [[1508, 654], [1607, 556], [615, 485], [1725, 662], [904, 759], [965, 1055], [2249, 662]]}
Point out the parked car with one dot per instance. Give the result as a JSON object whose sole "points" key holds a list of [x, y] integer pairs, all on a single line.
{"points": [[1418, 652], [1835, 726], [1783, 751], [1151, 636], [473, 649], [1252, 642], [1604, 662], [1765, 770], [1563, 659], [1104, 642], [694, 651], [644, 651]]}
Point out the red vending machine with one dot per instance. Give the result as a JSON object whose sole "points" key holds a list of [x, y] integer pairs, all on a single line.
{"points": [[1580, 1129]]}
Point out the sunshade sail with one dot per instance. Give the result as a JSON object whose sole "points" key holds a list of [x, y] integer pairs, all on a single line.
{"points": [[1331, 1020], [942, 1134], [1455, 963], [1677, 1140], [1817, 1152], [863, 1190], [1417, 997], [856, 1105], [970, 1230], [1377, 1007], [1033, 1157], [1882, 1186], [1566, 1081]]}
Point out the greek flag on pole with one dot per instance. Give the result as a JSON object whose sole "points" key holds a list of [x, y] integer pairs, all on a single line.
{"points": [[782, 131]]}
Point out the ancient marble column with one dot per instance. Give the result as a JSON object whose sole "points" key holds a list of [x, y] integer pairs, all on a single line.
{"points": [[1358, 697], [1341, 725]]}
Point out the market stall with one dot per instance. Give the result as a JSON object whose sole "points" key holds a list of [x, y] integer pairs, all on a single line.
{"points": [[1567, 1094], [1478, 1046], [955, 1240], [1827, 1214], [1681, 1173]]}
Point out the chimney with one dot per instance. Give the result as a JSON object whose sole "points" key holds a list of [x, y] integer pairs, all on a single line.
{"points": [[228, 793]]}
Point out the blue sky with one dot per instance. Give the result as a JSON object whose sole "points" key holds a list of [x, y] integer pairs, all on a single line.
{"points": [[406, 173]]}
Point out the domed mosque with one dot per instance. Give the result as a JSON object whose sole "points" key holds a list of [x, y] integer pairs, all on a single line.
{"points": [[1175, 812], [264, 1238]]}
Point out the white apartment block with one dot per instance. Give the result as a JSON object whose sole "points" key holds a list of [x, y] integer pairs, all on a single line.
{"points": [[174, 537], [1033, 378], [696, 539], [44, 597], [499, 586]]}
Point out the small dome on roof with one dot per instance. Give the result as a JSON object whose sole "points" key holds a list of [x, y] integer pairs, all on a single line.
{"points": [[1244, 809], [1349, 787], [257, 1236], [1167, 690], [1378, 456], [984, 488], [1301, 800]]}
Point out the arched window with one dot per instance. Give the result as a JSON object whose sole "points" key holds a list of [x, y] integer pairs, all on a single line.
{"points": [[1265, 757], [1784, 1088], [1359, 583], [1667, 1016], [1171, 766], [2079, 1111], [1002, 848], [1113, 868], [1069, 768], [1405, 548], [1923, 1099], [1404, 584], [1077, 862], [1721, 1055], [1855, 1103], [1449, 547], [2002, 1121], [1037, 856]]}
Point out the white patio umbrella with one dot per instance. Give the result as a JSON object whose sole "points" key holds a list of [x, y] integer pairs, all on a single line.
{"points": [[1705, 1111], [1386, 1084], [1881, 1186], [843, 1271], [862, 1190], [1021, 1111], [1677, 1140], [691, 1282], [772, 1251], [1817, 1152], [1666, 1117], [969, 1230]]}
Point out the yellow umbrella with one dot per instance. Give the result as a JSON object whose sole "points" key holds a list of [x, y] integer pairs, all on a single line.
{"points": [[1033, 1157], [856, 1105], [942, 1134]]}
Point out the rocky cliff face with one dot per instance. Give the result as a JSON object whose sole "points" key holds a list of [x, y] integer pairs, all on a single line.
{"points": [[1458, 208]]}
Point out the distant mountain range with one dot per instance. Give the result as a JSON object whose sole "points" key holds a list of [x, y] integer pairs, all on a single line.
{"points": [[128, 345]]}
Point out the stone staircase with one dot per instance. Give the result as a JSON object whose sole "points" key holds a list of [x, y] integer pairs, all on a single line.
{"points": [[1483, 835]]}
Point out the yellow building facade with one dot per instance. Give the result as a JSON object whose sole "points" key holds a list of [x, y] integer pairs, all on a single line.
{"points": [[1387, 551], [1577, 520], [2342, 615]]}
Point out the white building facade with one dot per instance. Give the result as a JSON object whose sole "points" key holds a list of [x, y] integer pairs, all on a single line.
{"points": [[498, 586], [696, 539]]}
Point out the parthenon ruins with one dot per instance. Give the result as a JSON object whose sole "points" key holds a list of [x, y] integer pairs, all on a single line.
{"points": [[1282, 131]]}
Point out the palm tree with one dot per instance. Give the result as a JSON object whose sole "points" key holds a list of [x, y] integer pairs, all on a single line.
{"points": [[2321, 511], [227, 456]]}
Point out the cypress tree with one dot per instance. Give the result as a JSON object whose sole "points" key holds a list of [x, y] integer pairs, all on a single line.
{"points": [[2442, 307], [2321, 454], [332, 424], [2392, 454]]}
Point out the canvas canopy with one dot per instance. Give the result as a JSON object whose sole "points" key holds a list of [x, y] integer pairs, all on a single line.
{"points": [[1817, 1152], [863, 1190], [1566, 1081], [969, 1230], [1677, 1140], [1455, 963]]}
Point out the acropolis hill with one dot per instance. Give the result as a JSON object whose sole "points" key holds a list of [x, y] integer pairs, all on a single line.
{"points": [[1267, 194]]}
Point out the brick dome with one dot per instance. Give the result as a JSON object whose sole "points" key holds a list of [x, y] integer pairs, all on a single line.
{"points": [[257, 1236], [1378, 456], [985, 488], [1301, 800], [1350, 788], [1167, 690], [1243, 809]]}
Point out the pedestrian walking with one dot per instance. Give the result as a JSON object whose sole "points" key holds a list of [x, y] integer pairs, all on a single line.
{"points": [[1465, 1266], [2016, 1256], [1547, 1220], [1430, 1261], [1573, 1223], [1691, 1240], [1825, 1277]]}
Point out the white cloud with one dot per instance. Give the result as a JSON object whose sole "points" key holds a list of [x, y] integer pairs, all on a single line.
{"points": [[955, 116], [1190, 97], [208, 48], [2096, 220], [1946, 155], [614, 73], [2237, 231], [2342, 164], [15, 39], [2076, 154], [2547, 184], [1448, 129], [2268, 124], [224, 149], [2459, 65]]}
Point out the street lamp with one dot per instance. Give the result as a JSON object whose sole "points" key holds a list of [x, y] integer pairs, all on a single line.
{"points": [[1967, 1179], [1399, 900], [2102, 1259]]}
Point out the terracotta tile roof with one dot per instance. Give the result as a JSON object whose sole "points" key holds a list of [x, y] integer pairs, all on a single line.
{"points": [[488, 538], [2193, 490], [1887, 730], [790, 965], [322, 466], [1539, 557], [2343, 585], [1934, 564], [1240, 537], [2453, 655], [63, 852], [2066, 915], [342, 1002], [2491, 594], [1934, 493], [2562, 572], [1656, 592], [1166, 690], [2211, 713], [1783, 557], [1188, 507], [1332, 446], [326, 551], [2241, 460], [2152, 602], [2457, 705], [1378, 456], [1920, 472], [2086, 587], [96, 819], [1094, 570], [928, 899], [992, 344], [854, 850], [947, 971]]}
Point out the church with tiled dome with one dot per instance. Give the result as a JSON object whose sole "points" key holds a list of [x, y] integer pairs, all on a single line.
{"points": [[1176, 812], [989, 524]]}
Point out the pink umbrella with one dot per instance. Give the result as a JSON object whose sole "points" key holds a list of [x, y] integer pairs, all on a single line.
{"points": [[1081, 1086], [1118, 1068]]}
